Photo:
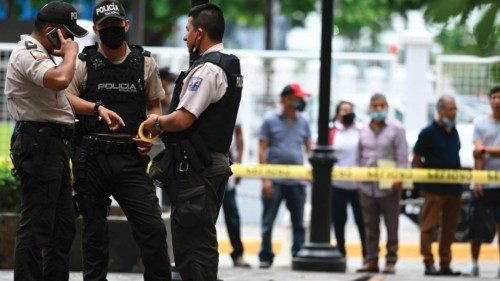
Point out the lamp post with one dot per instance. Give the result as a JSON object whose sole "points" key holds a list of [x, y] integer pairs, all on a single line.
{"points": [[318, 254]]}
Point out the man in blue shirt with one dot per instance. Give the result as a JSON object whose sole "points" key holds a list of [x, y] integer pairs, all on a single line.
{"points": [[437, 147], [283, 136]]}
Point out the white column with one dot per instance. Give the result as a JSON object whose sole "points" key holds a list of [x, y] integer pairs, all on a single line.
{"points": [[418, 90]]}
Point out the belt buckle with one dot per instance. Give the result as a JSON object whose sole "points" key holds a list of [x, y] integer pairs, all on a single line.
{"points": [[183, 166]]}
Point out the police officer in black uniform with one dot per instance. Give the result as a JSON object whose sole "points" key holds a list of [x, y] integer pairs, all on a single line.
{"points": [[198, 132], [125, 79]]}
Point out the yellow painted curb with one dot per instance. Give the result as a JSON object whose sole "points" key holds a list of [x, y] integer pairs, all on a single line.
{"points": [[251, 246], [460, 251]]}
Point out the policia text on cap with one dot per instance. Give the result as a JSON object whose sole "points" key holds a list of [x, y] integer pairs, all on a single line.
{"points": [[40, 142]]}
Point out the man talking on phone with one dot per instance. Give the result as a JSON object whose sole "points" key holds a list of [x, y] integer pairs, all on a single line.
{"points": [[40, 143]]}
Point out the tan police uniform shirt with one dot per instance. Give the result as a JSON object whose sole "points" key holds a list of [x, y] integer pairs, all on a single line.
{"points": [[152, 82], [27, 98], [204, 85]]}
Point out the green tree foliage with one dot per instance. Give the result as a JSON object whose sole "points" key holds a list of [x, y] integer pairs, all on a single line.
{"points": [[352, 17], [161, 15], [486, 30]]}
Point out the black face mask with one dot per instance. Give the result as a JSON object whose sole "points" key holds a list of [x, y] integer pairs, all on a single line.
{"points": [[348, 119], [300, 105], [113, 36]]}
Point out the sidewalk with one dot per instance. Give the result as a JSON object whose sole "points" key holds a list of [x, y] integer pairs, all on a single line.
{"points": [[407, 270], [409, 267], [409, 242]]}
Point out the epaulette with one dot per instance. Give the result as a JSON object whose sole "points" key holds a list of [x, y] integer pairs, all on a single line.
{"points": [[30, 45], [83, 55], [141, 49]]}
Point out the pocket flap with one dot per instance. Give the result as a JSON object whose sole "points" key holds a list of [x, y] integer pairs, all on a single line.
{"points": [[186, 194]]}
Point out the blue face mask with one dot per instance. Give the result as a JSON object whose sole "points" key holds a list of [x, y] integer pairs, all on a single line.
{"points": [[448, 122], [378, 115]]}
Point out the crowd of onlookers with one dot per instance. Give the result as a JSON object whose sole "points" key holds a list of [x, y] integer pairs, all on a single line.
{"points": [[381, 142]]}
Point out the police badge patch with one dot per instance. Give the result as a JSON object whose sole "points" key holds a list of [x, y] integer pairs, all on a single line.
{"points": [[39, 55], [194, 84]]}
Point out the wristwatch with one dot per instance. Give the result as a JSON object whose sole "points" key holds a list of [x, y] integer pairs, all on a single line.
{"points": [[96, 107], [157, 125]]}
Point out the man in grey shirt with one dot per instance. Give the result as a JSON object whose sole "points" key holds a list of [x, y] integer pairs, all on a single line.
{"points": [[382, 142], [283, 136], [486, 157]]}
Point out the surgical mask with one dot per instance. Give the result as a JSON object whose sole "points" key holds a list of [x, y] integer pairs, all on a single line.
{"points": [[113, 36], [448, 122], [300, 105], [348, 119], [378, 116]]}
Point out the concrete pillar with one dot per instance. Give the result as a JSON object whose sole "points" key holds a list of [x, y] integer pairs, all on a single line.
{"points": [[418, 90]]}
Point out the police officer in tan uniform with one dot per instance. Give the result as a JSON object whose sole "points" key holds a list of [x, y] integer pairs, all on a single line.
{"points": [[198, 133], [125, 79], [40, 143]]}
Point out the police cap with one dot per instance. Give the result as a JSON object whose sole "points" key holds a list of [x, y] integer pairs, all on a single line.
{"points": [[64, 14]]}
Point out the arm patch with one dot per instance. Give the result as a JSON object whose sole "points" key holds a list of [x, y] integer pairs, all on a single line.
{"points": [[194, 84]]}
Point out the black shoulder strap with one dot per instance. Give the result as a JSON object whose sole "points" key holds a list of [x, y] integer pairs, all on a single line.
{"points": [[214, 57], [141, 50], [87, 52]]}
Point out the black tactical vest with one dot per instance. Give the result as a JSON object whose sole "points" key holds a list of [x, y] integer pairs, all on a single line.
{"points": [[216, 124], [119, 86]]}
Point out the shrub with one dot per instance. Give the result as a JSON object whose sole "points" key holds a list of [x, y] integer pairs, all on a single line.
{"points": [[10, 193]]}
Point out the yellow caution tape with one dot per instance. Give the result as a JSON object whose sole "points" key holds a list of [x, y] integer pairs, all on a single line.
{"points": [[369, 174], [143, 137]]}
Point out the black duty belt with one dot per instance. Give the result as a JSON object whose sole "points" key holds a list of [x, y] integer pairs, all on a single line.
{"points": [[45, 128], [108, 145]]}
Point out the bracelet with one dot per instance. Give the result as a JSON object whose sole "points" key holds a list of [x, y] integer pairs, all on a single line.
{"points": [[96, 107], [158, 125]]}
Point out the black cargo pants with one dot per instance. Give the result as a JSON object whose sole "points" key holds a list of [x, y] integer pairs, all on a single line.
{"points": [[40, 154], [118, 170], [194, 213]]}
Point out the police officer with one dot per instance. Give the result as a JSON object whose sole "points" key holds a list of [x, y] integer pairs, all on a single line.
{"points": [[199, 130], [39, 147], [124, 78]]}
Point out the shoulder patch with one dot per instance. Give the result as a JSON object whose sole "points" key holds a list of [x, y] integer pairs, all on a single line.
{"points": [[194, 84], [39, 55]]}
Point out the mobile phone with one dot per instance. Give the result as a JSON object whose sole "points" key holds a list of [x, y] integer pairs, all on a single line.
{"points": [[54, 38]]}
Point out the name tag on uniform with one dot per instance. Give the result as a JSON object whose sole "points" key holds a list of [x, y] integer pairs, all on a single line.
{"points": [[194, 84], [239, 81]]}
